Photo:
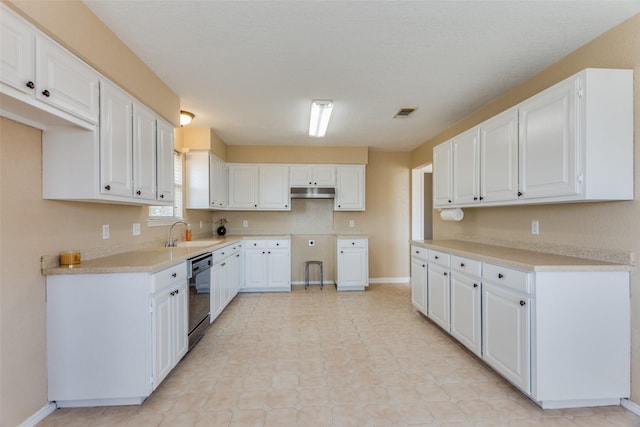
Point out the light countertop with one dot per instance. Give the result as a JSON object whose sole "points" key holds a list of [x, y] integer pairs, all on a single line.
{"points": [[518, 258]]}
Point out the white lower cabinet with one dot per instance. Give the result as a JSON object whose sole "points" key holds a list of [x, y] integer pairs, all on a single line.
{"points": [[225, 277], [267, 265], [169, 306], [419, 278], [111, 338], [438, 290], [561, 337], [353, 264], [466, 319]]}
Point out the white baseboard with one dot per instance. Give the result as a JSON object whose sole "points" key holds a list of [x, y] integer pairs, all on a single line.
{"points": [[633, 407], [389, 280], [40, 415]]}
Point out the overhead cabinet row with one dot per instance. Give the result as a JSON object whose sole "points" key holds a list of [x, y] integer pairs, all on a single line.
{"points": [[572, 142], [214, 184], [99, 143]]}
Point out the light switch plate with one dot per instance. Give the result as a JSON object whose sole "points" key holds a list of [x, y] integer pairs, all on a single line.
{"points": [[535, 227], [352, 223], [136, 229], [245, 223], [105, 231]]}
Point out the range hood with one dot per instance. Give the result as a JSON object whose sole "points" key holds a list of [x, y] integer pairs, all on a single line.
{"points": [[313, 193]]}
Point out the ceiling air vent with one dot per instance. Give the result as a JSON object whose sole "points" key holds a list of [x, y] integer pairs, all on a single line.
{"points": [[405, 112]]}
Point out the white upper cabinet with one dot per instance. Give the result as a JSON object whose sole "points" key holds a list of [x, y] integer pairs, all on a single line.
{"points": [[165, 172], [350, 188], [41, 83], [274, 187], [571, 142], [576, 139], [206, 181], [218, 182], [243, 186], [312, 176], [144, 153], [116, 141], [499, 158], [466, 167], [443, 175]]}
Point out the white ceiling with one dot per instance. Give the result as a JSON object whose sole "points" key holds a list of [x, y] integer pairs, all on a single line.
{"points": [[249, 69]]}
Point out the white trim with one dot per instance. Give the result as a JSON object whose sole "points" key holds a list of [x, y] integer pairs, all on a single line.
{"points": [[42, 413], [417, 201], [631, 406], [390, 280]]}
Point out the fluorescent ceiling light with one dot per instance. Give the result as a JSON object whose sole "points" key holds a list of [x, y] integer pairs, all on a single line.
{"points": [[185, 117], [320, 114]]}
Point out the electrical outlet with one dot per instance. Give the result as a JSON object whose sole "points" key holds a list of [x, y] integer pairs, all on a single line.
{"points": [[105, 231], [201, 225], [136, 229], [245, 223], [312, 242], [352, 223], [535, 227]]}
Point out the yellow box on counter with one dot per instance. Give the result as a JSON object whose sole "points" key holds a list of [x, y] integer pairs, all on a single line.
{"points": [[69, 259]]}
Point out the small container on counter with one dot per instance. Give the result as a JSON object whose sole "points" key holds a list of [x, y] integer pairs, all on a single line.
{"points": [[69, 259], [187, 234]]}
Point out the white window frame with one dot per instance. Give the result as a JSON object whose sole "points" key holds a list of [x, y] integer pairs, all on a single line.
{"points": [[177, 210]]}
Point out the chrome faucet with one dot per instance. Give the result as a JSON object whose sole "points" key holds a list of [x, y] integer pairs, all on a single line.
{"points": [[173, 242]]}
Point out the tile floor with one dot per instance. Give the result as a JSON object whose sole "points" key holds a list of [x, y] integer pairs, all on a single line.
{"points": [[322, 358]]}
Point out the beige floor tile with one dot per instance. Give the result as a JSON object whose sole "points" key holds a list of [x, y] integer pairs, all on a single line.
{"points": [[322, 358]]}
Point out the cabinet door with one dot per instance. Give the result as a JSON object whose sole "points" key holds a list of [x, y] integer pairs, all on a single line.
{"points": [[256, 268], [419, 284], [180, 320], [438, 297], [324, 176], [547, 143], [466, 167], [274, 187], [66, 82], [279, 269], [144, 153], [243, 186], [216, 293], [465, 311], [353, 268], [116, 141], [301, 176], [17, 62], [506, 334], [350, 188], [218, 181], [442, 175], [165, 162], [161, 324], [499, 157]]}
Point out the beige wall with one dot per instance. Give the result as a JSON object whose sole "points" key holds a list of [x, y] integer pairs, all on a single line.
{"points": [[612, 225], [96, 44], [296, 154]]}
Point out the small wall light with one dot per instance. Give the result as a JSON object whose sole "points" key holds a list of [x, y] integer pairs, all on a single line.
{"points": [[185, 117]]}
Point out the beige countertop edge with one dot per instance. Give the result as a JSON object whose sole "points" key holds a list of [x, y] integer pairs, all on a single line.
{"points": [[520, 259], [140, 261]]}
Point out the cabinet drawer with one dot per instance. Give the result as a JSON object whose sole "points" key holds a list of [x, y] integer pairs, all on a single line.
{"points": [[466, 265], [222, 253], [419, 253], [438, 257], [513, 279], [352, 243], [166, 278], [255, 244], [278, 244]]}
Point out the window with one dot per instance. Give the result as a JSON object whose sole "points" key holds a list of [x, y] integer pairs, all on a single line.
{"points": [[163, 215]]}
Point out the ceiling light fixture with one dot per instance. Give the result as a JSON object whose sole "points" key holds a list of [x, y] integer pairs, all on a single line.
{"points": [[320, 114], [185, 117]]}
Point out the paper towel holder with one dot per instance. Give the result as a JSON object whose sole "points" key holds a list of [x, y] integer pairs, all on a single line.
{"points": [[454, 214]]}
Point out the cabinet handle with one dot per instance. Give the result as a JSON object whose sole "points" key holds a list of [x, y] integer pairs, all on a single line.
{"points": [[46, 93], [223, 264], [449, 201], [436, 257], [423, 265], [341, 252], [277, 244], [263, 252], [522, 302], [462, 264], [30, 84], [309, 182], [138, 192], [353, 243], [339, 206], [417, 252], [475, 285], [174, 275], [500, 275], [162, 196], [445, 273], [237, 255], [269, 252], [519, 193], [475, 198], [177, 291], [107, 187], [255, 206], [286, 206], [481, 198]]}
